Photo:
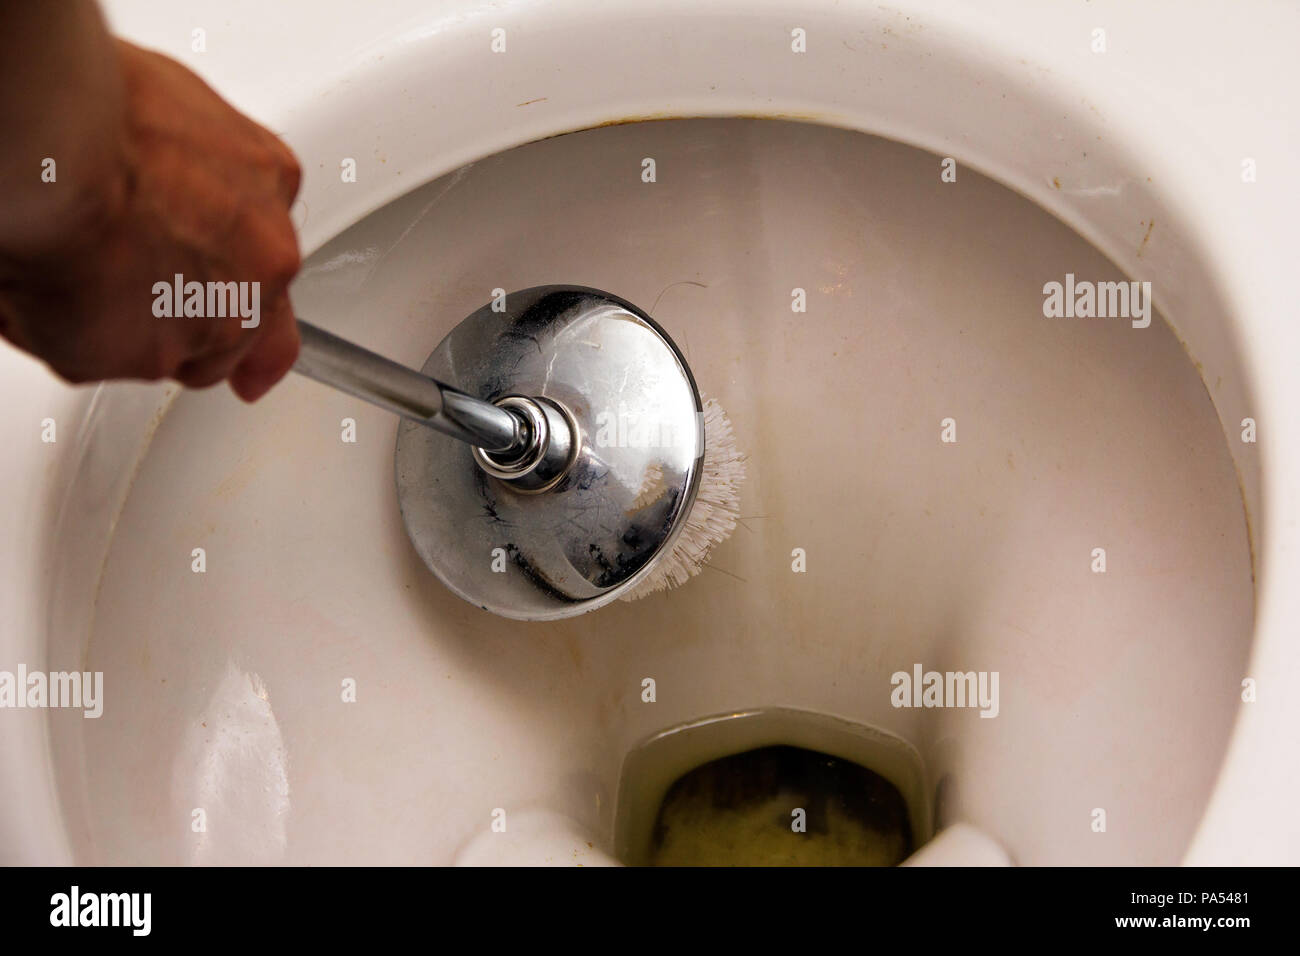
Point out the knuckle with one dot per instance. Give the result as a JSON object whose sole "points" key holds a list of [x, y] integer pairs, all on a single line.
{"points": [[291, 172], [283, 261], [279, 163]]}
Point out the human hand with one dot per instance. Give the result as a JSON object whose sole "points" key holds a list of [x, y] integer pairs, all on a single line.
{"points": [[196, 189]]}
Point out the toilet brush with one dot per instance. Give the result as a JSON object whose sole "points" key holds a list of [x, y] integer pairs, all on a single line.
{"points": [[572, 464]]}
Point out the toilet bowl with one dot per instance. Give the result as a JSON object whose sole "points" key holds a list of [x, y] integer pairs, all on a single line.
{"points": [[944, 479]]}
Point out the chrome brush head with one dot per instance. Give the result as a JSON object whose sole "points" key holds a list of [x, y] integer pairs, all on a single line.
{"points": [[608, 470]]}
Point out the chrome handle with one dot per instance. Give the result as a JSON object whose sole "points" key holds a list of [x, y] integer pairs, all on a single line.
{"points": [[341, 364]]}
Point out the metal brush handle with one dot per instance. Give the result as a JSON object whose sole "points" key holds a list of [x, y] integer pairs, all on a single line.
{"points": [[350, 368]]}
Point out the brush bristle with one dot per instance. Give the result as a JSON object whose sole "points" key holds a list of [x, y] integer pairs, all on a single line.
{"points": [[712, 518]]}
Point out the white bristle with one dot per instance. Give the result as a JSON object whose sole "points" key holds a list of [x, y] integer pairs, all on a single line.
{"points": [[712, 518]]}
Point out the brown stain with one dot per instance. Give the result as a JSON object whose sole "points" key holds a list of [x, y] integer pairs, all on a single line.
{"points": [[574, 646], [1056, 182], [237, 480], [824, 119], [1142, 247], [151, 430]]}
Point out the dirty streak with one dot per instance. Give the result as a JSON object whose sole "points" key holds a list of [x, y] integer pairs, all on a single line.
{"points": [[714, 567], [1142, 247]]}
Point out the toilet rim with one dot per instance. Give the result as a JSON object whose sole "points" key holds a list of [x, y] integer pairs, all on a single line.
{"points": [[735, 60]]}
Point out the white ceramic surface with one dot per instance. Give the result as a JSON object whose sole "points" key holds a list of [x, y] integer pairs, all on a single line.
{"points": [[959, 845], [1137, 149], [966, 556]]}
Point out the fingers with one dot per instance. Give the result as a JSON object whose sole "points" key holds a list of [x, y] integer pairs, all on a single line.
{"points": [[189, 276], [272, 355], [262, 256], [289, 172], [211, 368], [232, 183]]}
